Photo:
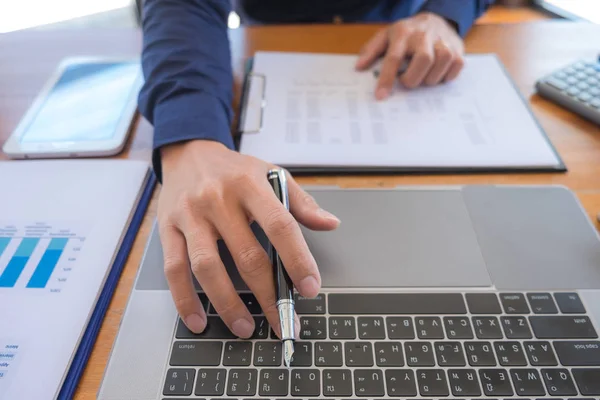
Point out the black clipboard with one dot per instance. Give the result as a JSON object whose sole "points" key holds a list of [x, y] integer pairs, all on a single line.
{"points": [[250, 76]]}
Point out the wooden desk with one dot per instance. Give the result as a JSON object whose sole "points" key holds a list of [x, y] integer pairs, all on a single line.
{"points": [[528, 51]]}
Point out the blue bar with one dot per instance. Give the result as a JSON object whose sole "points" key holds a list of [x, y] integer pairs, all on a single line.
{"points": [[46, 266], [17, 263], [4, 241]]}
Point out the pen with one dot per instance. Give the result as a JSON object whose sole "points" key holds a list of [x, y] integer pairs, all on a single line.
{"points": [[284, 288]]}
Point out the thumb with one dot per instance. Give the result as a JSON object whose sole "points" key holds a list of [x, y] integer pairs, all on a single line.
{"points": [[372, 50], [306, 210]]}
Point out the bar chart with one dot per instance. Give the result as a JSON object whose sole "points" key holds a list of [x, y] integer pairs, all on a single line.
{"points": [[33, 256]]}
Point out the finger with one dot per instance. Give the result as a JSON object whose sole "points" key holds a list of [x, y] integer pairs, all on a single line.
{"points": [[371, 51], [422, 61], [443, 61], [250, 258], [284, 233], [211, 274], [393, 60], [179, 278], [454, 71], [306, 210]]}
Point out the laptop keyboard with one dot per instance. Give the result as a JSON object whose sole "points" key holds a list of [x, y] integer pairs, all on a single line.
{"points": [[397, 345]]}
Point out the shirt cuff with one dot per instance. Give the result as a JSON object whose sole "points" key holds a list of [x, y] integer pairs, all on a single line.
{"points": [[463, 15], [190, 116]]}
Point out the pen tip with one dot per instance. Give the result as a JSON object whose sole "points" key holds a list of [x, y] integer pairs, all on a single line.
{"points": [[288, 352]]}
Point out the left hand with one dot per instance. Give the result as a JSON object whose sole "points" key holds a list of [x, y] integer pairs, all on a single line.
{"points": [[434, 47]]}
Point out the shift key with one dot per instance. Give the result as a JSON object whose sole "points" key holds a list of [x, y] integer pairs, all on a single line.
{"points": [[562, 327]]}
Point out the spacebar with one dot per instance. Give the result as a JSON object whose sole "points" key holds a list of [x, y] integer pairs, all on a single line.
{"points": [[396, 303]]}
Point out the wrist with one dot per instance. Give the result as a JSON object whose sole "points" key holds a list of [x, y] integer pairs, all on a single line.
{"points": [[433, 16], [172, 153]]}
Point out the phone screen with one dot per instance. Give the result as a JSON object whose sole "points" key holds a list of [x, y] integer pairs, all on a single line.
{"points": [[85, 104]]}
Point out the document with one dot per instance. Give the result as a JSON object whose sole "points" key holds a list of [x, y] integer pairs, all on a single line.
{"points": [[61, 223], [315, 110]]}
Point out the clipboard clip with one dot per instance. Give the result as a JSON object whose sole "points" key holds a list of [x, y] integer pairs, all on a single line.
{"points": [[253, 103]]}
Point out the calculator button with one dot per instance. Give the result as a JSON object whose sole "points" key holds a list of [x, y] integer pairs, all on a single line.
{"points": [[592, 81], [585, 97], [580, 75], [573, 91], [557, 83], [594, 91], [595, 102], [571, 80], [590, 71], [579, 66], [583, 86], [570, 71], [560, 75]]}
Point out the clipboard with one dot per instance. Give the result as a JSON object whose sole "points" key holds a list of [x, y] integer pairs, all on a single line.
{"points": [[88, 339], [253, 103]]}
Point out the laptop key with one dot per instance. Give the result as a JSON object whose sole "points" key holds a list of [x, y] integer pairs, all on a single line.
{"points": [[464, 382], [578, 353], [510, 354], [483, 303], [487, 328], [306, 305], [527, 382], [368, 382], [588, 380], [242, 382], [215, 329], [400, 382], [261, 328], [237, 354], [559, 382], [542, 303], [432, 382], [179, 382], [540, 354], [196, 353], [569, 303], [495, 382], [267, 354], [302, 354], [210, 382], [342, 328], [516, 327], [273, 382], [480, 354], [419, 354], [562, 327], [328, 354], [400, 328], [429, 328], [449, 354], [358, 354], [313, 328], [305, 382], [458, 328], [337, 382], [371, 328], [389, 354], [514, 303], [396, 303]]}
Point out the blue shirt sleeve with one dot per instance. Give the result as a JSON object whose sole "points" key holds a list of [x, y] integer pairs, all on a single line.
{"points": [[462, 12], [186, 61]]}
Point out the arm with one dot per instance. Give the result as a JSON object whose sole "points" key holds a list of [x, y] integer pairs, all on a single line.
{"points": [[187, 67], [461, 12]]}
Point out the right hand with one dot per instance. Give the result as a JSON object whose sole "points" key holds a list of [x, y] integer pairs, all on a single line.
{"points": [[210, 192]]}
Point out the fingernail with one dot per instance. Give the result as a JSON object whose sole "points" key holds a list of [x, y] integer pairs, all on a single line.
{"points": [[309, 286], [327, 215], [382, 93], [242, 328], [195, 323]]}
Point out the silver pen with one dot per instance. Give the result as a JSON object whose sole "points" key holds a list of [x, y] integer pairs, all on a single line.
{"points": [[284, 287]]}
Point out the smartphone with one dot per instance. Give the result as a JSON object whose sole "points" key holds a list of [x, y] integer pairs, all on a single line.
{"points": [[85, 110]]}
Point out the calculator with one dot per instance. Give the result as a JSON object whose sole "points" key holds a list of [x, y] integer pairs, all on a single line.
{"points": [[575, 87]]}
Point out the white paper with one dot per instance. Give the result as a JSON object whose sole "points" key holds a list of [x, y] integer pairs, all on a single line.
{"points": [[60, 226], [321, 112]]}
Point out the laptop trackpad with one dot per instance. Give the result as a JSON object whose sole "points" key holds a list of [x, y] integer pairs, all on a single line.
{"points": [[398, 239]]}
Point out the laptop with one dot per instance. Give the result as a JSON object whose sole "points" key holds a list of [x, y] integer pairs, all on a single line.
{"points": [[454, 292]]}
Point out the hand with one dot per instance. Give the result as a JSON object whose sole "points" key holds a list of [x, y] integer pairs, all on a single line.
{"points": [[435, 48], [210, 192]]}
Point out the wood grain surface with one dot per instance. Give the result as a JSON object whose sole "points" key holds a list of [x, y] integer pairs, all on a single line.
{"points": [[528, 51]]}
